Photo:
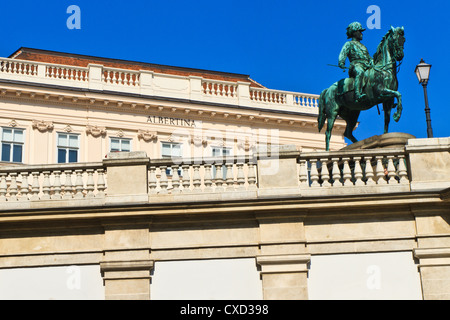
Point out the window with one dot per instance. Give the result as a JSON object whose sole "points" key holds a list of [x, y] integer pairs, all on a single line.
{"points": [[120, 144], [219, 152], [170, 150], [68, 146], [12, 144]]}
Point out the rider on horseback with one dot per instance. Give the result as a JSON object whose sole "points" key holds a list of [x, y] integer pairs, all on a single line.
{"points": [[358, 55]]}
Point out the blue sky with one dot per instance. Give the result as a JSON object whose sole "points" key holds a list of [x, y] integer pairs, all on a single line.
{"points": [[285, 45]]}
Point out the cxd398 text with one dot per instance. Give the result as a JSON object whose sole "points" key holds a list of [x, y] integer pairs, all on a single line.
{"points": [[243, 309]]}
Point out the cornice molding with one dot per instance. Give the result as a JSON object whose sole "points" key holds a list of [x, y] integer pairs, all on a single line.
{"points": [[141, 105]]}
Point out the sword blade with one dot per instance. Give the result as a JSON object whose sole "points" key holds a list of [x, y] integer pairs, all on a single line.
{"points": [[332, 65]]}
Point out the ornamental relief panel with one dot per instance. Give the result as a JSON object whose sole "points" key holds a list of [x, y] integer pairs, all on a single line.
{"points": [[199, 141], [147, 135], [96, 131], [42, 126]]}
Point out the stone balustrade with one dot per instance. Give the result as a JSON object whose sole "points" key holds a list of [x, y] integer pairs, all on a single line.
{"points": [[126, 177], [354, 171], [24, 184], [148, 83], [210, 175], [120, 77]]}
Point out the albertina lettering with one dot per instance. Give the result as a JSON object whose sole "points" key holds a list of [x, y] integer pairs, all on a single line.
{"points": [[171, 121]]}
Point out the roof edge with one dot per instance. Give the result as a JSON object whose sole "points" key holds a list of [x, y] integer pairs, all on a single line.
{"points": [[59, 53]]}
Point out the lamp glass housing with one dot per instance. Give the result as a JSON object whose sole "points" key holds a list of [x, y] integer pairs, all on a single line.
{"points": [[423, 71]]}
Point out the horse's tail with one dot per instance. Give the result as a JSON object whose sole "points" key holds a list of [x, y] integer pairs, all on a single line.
{"points": [[322, 115]]}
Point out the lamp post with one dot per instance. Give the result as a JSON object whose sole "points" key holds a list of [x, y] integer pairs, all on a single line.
{"points": [[423, 74]]}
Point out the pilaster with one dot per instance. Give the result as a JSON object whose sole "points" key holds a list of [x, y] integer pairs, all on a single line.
{"points": [[126, 263], [434, 266], [429, 163], [284, 277], [127, 177]]}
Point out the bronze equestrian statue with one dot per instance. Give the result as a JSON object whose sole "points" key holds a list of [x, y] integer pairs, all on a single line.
{"points": [[370, 82]]}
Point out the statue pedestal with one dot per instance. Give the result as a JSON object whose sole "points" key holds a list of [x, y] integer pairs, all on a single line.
{"points": [[384, 141]]}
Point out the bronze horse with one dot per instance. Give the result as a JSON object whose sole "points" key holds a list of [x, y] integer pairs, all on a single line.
{"points": [[380, 86]]}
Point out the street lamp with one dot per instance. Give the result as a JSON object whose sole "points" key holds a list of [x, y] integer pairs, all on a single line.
{"points": [[423, 74]]}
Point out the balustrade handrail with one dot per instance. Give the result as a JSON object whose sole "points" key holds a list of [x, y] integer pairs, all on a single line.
{"points": [[202, 160], [55, 65], [285, 92], [52, 167], [353, 153], [120, 70], [224, 82]]}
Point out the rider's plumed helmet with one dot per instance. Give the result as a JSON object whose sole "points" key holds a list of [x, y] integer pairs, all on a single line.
{"points": [[353, 27]]}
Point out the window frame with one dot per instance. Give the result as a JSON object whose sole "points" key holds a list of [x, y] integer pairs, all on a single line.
{"points": [[12, 143], [223, 157], [171, 150], [169, 172], [67, 147], [120, 142]]}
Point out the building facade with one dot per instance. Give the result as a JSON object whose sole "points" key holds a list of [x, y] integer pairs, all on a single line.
{"points": [[127, 180]]}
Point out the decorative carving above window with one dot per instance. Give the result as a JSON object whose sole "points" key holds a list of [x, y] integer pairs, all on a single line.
{"points": [[247, 144], [96, 131], [42, 126], [147, 135], [13, 124], [120, 133], [199, 141]]}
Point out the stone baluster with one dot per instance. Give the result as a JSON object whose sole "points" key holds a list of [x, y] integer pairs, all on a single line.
{"points": [[46, 186], [13, 187], [208, 178], [229, 176], [68, 186], [24, 187], [197, 180], [379, 170], [163, 181], [391, 170], [175, 179], [240, 175], [152, 182], [3, 186], [90, 185], [35, 186], [325, 173], [336, 172], [347, 173], [251, 176], [369, 172], [57, 185], [303, 174], [314, 174], [218, 180], [186, 179], [402, 172], [358, 172], [79, 186], [101, 185]]}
